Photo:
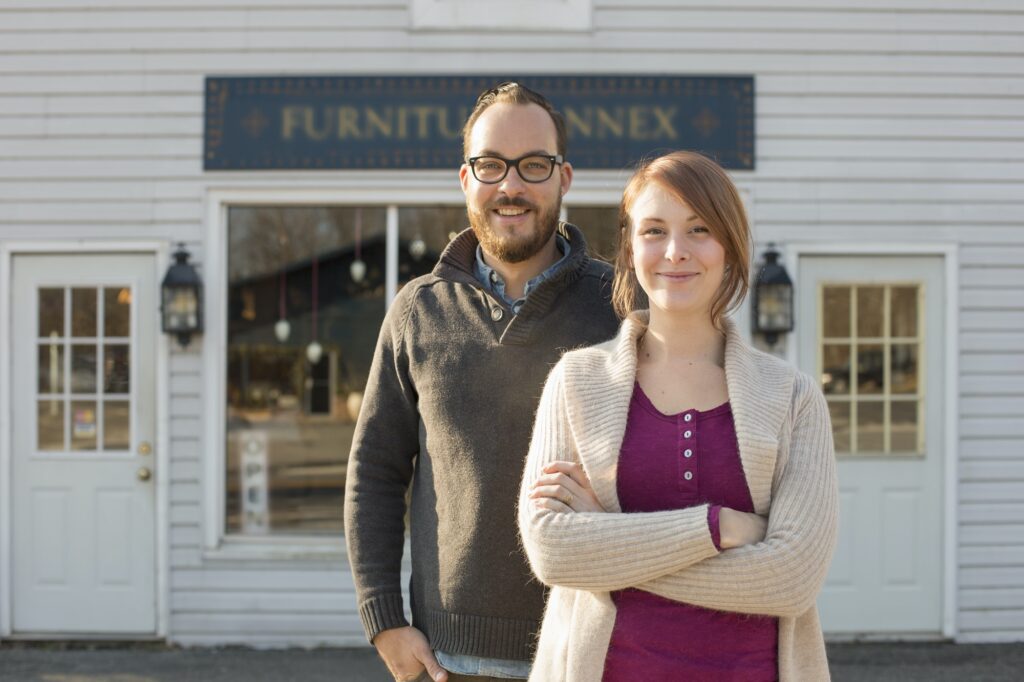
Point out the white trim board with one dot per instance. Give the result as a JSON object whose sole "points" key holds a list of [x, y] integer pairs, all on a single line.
{"points": [[950, 254], [159, 250]]}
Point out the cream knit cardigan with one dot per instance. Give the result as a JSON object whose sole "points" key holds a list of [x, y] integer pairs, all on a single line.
{"points": [[785, 444]]}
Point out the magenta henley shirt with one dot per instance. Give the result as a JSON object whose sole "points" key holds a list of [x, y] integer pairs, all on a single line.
{"points": [[673, 462]]}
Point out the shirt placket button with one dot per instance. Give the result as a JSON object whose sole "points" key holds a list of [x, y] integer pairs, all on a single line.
{"points": [[688, 452]]}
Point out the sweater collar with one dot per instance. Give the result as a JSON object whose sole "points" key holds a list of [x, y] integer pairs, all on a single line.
{"points": [[760, 389], [459, 258]]}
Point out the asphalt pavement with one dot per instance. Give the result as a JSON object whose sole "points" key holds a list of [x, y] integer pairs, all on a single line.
{"points": [[854, 662]]}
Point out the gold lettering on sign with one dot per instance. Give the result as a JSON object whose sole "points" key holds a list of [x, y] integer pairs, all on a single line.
{"points": [[348, 123], [442, 125], [664, 118], [423, 115], [375, 123], [309, 124], [289, 120], [608, 122], [421, 122], [582, 124], [635, 122]]}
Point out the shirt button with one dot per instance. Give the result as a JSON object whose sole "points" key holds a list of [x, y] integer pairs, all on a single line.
{"points": [[688, 453], [496, 314], [688, 475], [688, 417], [687, 434]]}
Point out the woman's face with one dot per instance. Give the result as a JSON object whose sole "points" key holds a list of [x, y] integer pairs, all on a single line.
{"points": [[678, 263]]}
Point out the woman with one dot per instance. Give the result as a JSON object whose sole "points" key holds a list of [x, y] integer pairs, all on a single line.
{"points": [[680, 492]]}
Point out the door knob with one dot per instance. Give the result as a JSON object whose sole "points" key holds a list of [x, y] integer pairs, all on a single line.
{"points": [[145, 448], [144, 474]]}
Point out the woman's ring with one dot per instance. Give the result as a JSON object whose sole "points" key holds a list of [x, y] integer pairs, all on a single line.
{"points": [[568, 500]]}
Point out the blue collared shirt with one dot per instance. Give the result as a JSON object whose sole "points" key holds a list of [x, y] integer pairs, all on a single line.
{"points": [[494, 283], [464, 664]]}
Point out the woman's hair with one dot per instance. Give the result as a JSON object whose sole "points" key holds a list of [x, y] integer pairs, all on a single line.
{"points": [[708, 190]]}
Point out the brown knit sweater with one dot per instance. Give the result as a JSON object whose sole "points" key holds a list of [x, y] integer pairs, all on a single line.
{"points": [[449, 408], [785, 442]]}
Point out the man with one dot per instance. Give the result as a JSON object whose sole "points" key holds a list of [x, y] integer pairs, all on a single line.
{"points": [[459, 367]]}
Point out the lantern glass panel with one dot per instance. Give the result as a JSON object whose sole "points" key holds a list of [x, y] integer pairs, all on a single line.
{"points": [[774, 307]]}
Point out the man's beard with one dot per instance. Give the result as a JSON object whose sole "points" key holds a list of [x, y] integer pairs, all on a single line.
{"points": [[515, 249]]}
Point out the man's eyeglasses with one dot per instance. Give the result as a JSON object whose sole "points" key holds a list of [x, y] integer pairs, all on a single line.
{"points": [[533, 168]]}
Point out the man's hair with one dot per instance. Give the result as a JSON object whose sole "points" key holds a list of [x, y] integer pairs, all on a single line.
{"points": [[710, 192], [513, 93]]}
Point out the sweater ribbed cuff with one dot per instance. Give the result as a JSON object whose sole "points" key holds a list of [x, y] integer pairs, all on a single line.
{"points": [[382, 613]]}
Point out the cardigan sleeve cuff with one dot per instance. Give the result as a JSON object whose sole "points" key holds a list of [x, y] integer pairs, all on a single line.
{"points": [[716, 536], [382, 613]]}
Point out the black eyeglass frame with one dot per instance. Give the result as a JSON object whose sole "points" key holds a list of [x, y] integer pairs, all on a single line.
{"points": [[555, 159]]}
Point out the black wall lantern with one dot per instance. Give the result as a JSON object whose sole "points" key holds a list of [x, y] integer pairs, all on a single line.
{"points": [[773, 298], [182, 294]]}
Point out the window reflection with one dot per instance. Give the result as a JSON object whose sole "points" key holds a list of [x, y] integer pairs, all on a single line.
{"points": [[600, 227], [423, 233], [306, 301]]}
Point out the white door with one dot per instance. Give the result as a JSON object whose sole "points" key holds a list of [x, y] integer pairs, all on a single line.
{"points": [[83, 465], [871, 328]]}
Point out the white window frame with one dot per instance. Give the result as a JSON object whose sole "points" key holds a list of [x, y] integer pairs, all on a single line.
{"points": [[534, 15], [791, 254], [160, 252]]}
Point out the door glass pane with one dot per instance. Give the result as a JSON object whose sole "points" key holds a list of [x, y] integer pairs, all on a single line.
{"points": [[870, 428], [836, 311], [51, 312], [904, 311], [117, 303], [51, 369], [299, 275], [886, 371], [840, 414], [83, 312], [869, 311], [116, 425], [83, 425], [835, 377], [83, 368], [904, 426], [423, 233], [904, 368], [600, 227], [50, 425], [116, 374], [870, 369]]}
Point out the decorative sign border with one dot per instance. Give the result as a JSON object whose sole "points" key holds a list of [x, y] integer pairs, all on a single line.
{"points": [[415, 122]]}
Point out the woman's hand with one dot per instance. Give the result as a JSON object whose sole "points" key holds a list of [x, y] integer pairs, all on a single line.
{"points": [[736, 528], [564, 487]]}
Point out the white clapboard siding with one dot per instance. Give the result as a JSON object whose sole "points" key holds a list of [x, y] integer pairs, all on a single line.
{"points": [[878, 121]]}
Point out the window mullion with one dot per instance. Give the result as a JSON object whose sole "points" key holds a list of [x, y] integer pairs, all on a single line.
{"points": [[886, 374], [854, 365], [391, 256]]}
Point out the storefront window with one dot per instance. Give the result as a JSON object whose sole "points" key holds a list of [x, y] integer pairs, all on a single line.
{"points": [[305, 304], [306, 300], [423, 233], [600, 227]]}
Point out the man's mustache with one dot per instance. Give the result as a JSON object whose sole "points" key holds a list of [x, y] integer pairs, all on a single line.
{"points": [[518, 202]]}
